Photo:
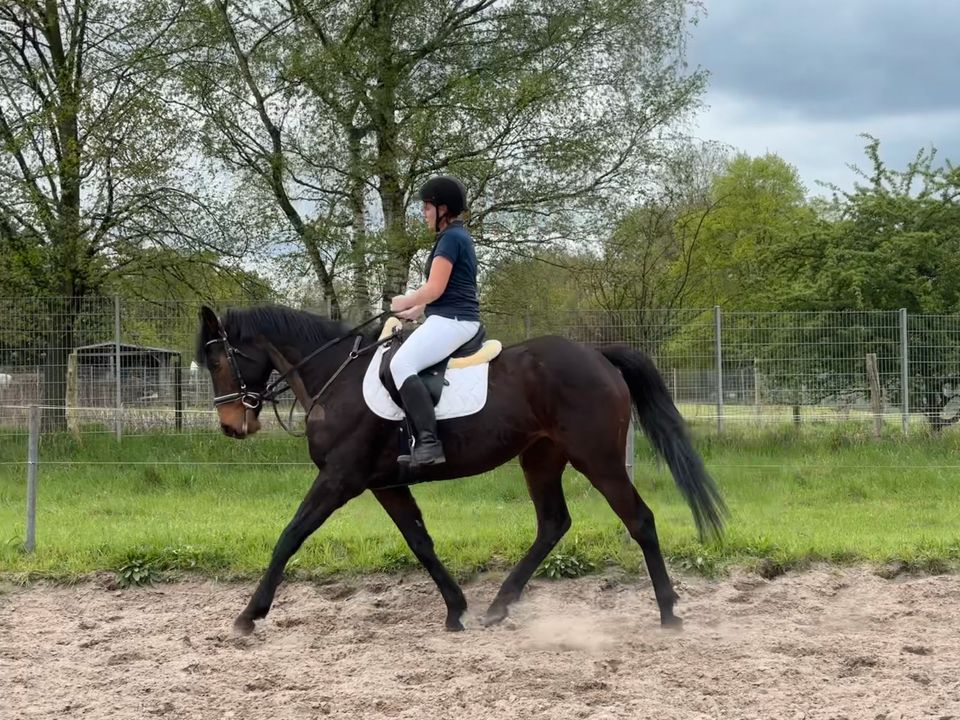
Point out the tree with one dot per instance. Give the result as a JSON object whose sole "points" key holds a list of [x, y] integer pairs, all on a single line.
{"points": [[893, 242], [631, 285], [758, 214], [169, 276], [642, 276], [337, 111], [523, 296], [159, 309], [92, 168]]}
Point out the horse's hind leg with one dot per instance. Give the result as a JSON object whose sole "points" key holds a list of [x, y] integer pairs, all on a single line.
{"points": [[542, 465], [610, 477], [402, 508]]}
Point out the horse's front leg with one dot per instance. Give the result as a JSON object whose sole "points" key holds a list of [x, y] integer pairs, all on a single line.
{"points": [[324, 497]]}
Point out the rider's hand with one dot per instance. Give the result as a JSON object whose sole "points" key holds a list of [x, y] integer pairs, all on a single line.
{"points": [[399, 303], [411, 314]]}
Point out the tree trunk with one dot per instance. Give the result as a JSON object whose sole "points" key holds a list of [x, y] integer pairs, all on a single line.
{"points": [[60, 343], [55, 381], [400, 248], [358, 241], [69, 256], [399, 245], [310, 241]]}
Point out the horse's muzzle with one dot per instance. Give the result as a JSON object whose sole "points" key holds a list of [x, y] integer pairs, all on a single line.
{"points": [[231, 431], [249, 426]]}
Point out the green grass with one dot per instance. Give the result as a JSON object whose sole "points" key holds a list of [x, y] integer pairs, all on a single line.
{"points": [[148, 505]]}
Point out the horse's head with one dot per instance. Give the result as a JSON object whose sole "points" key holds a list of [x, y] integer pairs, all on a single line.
{"points": [[239, 369]]}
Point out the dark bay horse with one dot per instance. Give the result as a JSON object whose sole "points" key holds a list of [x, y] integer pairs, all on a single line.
{"points": [[550, 402]]}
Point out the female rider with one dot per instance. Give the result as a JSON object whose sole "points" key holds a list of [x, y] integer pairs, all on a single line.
{"points": [[448, 299]]}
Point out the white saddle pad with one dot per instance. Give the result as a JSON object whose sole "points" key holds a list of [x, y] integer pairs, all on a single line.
{"points": [[465, 394]]}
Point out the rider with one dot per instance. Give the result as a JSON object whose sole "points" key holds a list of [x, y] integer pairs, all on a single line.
{"points": [[449, 301]]}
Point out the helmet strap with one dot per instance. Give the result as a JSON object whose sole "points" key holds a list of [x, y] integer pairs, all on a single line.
{"points": [[440, 218]]}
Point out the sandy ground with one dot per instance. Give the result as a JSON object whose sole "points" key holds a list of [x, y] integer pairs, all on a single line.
{"points": [[819, 644]]}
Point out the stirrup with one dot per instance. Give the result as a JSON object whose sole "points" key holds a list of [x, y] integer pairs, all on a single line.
{"points": [[406, 446]]}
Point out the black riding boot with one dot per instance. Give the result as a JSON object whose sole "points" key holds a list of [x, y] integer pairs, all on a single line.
{"points": [[418, 405]]}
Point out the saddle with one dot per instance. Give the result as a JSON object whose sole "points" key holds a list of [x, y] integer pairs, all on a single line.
{"points": [[475, 351]]}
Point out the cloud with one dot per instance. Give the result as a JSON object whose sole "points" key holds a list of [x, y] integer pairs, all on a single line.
{"points": [[822, 149], [805, 79], [833, 58]]}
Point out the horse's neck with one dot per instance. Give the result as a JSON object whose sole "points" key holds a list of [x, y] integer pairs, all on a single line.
{"points": [[307, 380], [285, 365]]}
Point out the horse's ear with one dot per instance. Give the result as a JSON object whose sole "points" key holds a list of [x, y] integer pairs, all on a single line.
{"points": [[210, 320]]}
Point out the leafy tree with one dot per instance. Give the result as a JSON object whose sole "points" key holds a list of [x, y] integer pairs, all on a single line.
{"points": [[758, 213], [893, 242], [168, 276], [647, 270], [335, 112], [525, 296], [93, 155], [631, 285]]}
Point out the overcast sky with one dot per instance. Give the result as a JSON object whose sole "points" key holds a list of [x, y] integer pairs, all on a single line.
{"points": [[803, 78]]}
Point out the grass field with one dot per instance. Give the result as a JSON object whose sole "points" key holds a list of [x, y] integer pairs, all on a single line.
{"points": [[161, 503]]}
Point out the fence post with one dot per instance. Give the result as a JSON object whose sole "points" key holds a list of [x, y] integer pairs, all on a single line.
{"points": [[116, 347], [873, 382], [33, 451], [756, 388], [904, 371], [178, 395], [719, 359]]}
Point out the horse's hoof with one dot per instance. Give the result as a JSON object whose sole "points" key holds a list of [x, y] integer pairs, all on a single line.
{"points": [[495, 615], [671, 622], [454, 624], [243, 625]]}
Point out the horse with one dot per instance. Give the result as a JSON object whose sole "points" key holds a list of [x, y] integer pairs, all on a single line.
{"points": [[551, 402]]}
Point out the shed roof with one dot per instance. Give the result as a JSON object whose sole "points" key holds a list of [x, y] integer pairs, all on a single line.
{"points": [[110, 348]]}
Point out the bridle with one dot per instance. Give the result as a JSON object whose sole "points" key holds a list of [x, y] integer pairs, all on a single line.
{"points": [[253, 400]]}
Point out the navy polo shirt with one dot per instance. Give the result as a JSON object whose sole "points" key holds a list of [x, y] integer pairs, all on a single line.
{"points": [[460, 299]]}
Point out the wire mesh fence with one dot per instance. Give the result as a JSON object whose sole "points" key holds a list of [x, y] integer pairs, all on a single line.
{"points": [[107, 365], [811, 366], [880, 368]]}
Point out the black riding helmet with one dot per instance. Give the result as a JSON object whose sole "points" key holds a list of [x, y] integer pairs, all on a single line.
{"points": [[445, 190]]}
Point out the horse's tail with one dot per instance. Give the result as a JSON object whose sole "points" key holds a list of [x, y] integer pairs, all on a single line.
{"points": [[667, 431]]}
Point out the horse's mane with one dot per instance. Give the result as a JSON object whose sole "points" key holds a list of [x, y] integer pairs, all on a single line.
{"points": [[275, 322]]}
